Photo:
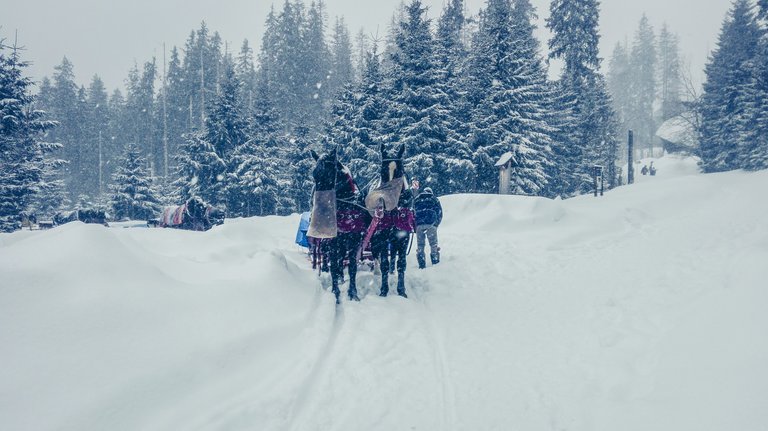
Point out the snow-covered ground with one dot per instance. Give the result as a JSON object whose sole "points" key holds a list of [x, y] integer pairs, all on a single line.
{"points": [[644, 309]]}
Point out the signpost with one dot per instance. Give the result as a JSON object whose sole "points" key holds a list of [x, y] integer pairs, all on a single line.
{"points": [[597, 176]]}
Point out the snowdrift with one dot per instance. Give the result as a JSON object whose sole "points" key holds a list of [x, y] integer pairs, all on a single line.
{"points": [[639, 310]]}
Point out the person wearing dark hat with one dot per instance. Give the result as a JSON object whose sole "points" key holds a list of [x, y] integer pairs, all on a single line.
{"points": [[429, 214]]}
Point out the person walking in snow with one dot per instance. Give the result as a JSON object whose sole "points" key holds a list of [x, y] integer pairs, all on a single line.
{"points": [[429, 214]]}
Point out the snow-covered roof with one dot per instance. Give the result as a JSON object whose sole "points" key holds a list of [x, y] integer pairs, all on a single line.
{"points": [[505, 158], [679, 130]]}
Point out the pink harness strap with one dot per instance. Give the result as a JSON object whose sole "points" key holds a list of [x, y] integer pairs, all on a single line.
{"points": [[378, 214]]}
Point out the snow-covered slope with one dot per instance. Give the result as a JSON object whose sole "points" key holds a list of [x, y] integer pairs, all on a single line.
{"points": [[639, 310]]}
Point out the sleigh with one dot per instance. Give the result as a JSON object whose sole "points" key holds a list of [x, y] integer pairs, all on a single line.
{"points": [[192, 215]]}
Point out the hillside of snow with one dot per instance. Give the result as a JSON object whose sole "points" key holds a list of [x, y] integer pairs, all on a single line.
{"points": [[643, 309]]}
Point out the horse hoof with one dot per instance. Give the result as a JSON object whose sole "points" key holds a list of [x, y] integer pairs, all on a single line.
{"points": [[383, 293], [354, 298], [402, 294]]}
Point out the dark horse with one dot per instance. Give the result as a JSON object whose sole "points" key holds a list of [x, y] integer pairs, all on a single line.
{"points": [[338, 217], [390, 202]]}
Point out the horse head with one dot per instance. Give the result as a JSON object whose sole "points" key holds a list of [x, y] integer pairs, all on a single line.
{"points": [[391, 164], [326, 170]]}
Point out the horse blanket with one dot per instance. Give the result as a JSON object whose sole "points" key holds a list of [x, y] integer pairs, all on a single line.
{"points": [[322, 222]]}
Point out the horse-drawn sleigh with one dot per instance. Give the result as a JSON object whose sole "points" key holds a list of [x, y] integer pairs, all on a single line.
{"points": [[347, 224]]}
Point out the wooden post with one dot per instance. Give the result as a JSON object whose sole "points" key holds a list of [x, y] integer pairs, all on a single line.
{"points": [[630, 150]]}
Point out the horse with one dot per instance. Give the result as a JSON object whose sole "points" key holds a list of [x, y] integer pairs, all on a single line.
{"points": [[389, 200], [338, 218]]}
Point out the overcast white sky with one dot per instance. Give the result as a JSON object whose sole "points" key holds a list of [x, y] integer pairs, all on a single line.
{"points": [[106, 37]]}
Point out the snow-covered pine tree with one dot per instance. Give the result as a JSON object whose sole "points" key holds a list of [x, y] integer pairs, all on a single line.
{"points": [[314, 65], [670, 81], [96, 126], [225, 129], [177, 104], [642, 60], [245, 72], [140, 114], [256, 172], [133, 196], [508, 83], [618, 80], [342, 72], [282, 48], [419, 114], [756, 152], [64, 108], [575, 40], [727, 91], [253, 187], [356, 118], [201, 62], [22, 154], [200, 170]]}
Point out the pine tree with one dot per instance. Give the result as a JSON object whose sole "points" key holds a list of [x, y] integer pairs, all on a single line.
{"points": [[670, 81], [133, 196], [591, 137], [177, 104], [201, 171], [643, 84], [756, 150], [509, 84], [245, 72], [618, 80], [419, 115], [22, 154], [342, 70], [97, 123], [64, 108], [729, 76]]}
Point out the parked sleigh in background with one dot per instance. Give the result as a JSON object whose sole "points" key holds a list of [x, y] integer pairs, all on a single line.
{"points": [[194, 214]]}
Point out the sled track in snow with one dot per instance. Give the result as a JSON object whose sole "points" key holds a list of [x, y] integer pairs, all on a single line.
{"points": [[308, 390], [439, 357]]}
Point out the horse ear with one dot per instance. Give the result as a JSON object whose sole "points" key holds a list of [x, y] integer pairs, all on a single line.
{"points": [[400, 151], [314, 155], [381, 151]]}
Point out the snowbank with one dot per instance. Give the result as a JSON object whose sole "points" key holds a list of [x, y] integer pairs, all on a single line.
{"points": [[638, 310]]}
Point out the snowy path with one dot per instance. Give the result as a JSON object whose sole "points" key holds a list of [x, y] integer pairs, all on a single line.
{"points": [[639, 310]]}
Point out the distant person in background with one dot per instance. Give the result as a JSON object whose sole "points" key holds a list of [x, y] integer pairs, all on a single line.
{"points": [[644, 171], [653, 169], [429, 214]]}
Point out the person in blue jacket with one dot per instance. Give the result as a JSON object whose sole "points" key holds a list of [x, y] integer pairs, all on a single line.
{"points": [[429, 214]]}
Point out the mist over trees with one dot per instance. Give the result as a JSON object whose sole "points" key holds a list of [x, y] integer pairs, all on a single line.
{"points": [[233, 124]]}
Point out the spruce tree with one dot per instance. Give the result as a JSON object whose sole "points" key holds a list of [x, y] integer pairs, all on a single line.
{"points": [[22, 153], [508, 83], [133, 195], [670, 82], [643, 84], [591, 137], [419, 114], [727, 91], [756, 150], [618, 81]]}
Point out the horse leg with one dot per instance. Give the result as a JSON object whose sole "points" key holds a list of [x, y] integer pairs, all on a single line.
{"points": [[380, 251], [401, 247], [337, 265], [352, 243]]}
